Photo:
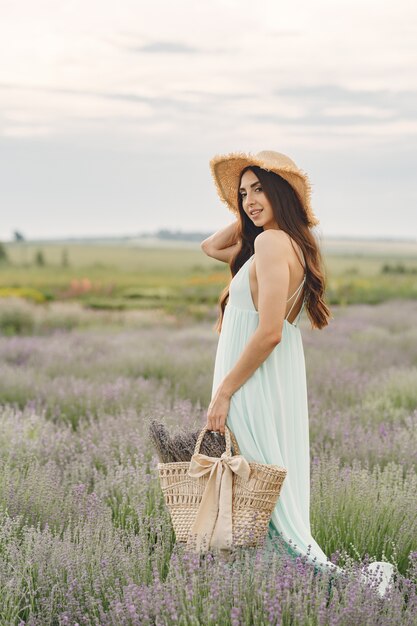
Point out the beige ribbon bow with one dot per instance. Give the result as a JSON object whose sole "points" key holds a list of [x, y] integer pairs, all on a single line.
{"points": [[213, 524]]}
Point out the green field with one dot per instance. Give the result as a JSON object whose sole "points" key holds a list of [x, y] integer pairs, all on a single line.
{"points": [[179, 278]]}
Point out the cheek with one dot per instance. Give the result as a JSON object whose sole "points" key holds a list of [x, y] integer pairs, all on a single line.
{"points": [[266, 205]]}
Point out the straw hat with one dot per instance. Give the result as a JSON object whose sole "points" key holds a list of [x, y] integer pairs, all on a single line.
{"points": [[226, 169]]}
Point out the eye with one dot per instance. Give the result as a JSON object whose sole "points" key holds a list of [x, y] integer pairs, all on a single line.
{"points": [[242, 193]]}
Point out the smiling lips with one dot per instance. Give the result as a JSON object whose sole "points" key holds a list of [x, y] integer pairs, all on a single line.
{"points": [[255, 213]]}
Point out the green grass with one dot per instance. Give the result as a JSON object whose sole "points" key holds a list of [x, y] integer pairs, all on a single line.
{"points": [[183, 279]]}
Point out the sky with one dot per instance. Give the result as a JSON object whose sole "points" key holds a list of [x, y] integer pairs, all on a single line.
{"points": [[110, 111]]}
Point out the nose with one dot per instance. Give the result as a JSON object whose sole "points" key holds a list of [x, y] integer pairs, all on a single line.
{"points": [[249, 200]]}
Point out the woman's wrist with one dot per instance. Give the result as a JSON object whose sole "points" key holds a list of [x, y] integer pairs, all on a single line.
{"points": [[225, 391]]}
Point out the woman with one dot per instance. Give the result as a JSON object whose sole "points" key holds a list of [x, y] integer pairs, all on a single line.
{"points": [[259, 382]]}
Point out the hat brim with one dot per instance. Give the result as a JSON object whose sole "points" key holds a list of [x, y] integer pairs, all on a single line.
{"points": [[226, 170]]}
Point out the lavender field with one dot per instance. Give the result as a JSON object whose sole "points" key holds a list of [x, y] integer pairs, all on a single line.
{"points": [[84, 534]]}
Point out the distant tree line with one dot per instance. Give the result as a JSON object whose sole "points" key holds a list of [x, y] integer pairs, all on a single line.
{"points": [[165, 233], [3, 254], [38, 259], [399, 268]]}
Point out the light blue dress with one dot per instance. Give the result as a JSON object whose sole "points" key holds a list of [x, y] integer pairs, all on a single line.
{"points": [[268, 415]]}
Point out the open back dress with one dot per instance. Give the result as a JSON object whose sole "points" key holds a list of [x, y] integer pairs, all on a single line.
{"points": [[268, 415]]}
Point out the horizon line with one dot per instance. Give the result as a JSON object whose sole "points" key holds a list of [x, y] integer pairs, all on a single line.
{"points": [[64, 238]]}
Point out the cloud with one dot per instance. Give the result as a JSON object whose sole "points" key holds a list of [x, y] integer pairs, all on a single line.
{"points": [[332, 104], [165, 47], [337, 94]]}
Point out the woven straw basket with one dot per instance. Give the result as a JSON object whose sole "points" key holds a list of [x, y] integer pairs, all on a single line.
{"points": [[253, 499]]}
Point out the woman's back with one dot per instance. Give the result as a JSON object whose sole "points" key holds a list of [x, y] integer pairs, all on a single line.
{"points": [[297, 269]]}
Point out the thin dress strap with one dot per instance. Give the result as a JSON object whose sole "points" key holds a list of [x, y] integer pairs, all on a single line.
{"points": [[297, 293], [295, 322]]}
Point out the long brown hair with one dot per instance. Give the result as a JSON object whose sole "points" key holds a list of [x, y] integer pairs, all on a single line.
{"points": [[290, 217]]}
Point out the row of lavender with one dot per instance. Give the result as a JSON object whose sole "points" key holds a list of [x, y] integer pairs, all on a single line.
{"points": [[84, 534]]}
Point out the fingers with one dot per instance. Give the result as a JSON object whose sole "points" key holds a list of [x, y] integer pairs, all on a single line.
{"points": [[212, 424], [216, 424], [219, 425], [211, 421]]}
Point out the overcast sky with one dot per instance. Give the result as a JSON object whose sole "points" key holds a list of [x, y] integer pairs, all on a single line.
{"points": [[111, 110]]}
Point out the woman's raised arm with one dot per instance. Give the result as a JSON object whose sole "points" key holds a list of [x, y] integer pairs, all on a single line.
{"points": [[223, 244]]}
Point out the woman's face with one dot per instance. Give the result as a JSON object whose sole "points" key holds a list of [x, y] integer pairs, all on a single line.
{"points": [[255, 203]]}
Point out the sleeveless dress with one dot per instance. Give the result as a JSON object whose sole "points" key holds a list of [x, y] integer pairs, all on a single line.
{"points": [[268, 415]]}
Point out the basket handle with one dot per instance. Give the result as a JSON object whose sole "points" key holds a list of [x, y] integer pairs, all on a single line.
{"points": [[228, 434]]}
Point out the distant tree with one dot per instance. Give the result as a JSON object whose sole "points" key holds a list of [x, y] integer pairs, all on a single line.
{"points": [[3, 254], [179, 235], [18, 236], [64, 258], [39, 258]]}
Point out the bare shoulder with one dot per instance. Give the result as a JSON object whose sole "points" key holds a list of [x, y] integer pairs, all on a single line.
{"points": [[273, 244]]}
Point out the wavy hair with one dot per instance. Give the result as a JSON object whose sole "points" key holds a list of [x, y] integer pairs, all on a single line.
{"points": [[290, 217]]}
